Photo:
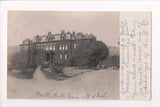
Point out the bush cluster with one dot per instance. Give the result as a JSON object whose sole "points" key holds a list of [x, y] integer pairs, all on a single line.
{"points": [[26, 70], [89, 54], [56, 66]]}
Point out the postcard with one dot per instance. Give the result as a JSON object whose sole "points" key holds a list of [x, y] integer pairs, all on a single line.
{"points": [[79, 55]]}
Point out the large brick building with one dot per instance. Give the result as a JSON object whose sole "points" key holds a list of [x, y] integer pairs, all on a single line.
{"points": [[53, 46]]}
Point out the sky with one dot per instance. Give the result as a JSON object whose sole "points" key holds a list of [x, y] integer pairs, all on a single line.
{"points": [[27, 24]]}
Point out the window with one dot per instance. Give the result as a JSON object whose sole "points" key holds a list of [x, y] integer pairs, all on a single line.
{"points": [[60, 56], [50, 47], [47, 47], [66, 47], [60, 47], [63, 47], [65, 56], [75, 45]]}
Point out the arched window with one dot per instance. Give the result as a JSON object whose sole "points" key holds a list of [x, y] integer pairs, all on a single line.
{"points": [[66, 47], [60, 47], [53, 38], [63, 47], [50, 47], [65, 56], [60, 56]]}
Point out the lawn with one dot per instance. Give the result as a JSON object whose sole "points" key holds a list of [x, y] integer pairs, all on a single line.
{"points": [[80, 83]]}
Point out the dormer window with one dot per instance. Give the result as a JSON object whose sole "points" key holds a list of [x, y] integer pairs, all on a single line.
{"points": [[53, 38]]}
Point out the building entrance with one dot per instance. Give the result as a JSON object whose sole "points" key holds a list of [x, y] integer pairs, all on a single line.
{"points": [[50, 56]]}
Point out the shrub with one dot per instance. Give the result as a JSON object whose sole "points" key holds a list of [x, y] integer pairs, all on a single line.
{"points": [[18, 62], [56, 67], [26, 71], [45, 65], [89, 54], [55, 71]]}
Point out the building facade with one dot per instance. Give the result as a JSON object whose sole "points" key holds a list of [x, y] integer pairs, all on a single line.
{"points": [[53, 47]]}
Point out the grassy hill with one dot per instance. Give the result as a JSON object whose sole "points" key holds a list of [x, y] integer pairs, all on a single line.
{"points": [[92, 83]]}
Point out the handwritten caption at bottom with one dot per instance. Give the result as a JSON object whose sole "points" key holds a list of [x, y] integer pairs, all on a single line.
{"points": [[51, 94]]}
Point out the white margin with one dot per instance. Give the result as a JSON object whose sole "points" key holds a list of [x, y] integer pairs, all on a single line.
{"points": [[153, 6]]}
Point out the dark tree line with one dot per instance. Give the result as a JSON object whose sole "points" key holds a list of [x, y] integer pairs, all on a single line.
{"points": [[89, 54]]}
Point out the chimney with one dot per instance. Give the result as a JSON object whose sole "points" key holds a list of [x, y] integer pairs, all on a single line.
{"points": [[49, 33]]}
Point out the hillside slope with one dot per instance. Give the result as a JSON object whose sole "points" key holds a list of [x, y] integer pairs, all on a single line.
{"points": [[101, 82]]}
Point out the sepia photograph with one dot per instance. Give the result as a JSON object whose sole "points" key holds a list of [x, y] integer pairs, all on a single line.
{"points": [[79, 53], [63, 55]]}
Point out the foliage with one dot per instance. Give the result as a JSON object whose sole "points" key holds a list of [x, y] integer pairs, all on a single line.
{"points": [[89, 54], [16, 60], [56, 66], [55, 70], [19, 61]]}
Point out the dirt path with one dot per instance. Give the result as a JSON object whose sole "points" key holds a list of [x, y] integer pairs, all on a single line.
{"points": [[38, 75]]}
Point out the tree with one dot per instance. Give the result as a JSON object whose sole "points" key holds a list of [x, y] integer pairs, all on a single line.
{"points": [[89, 54], [17, 60], [20, 61]]}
